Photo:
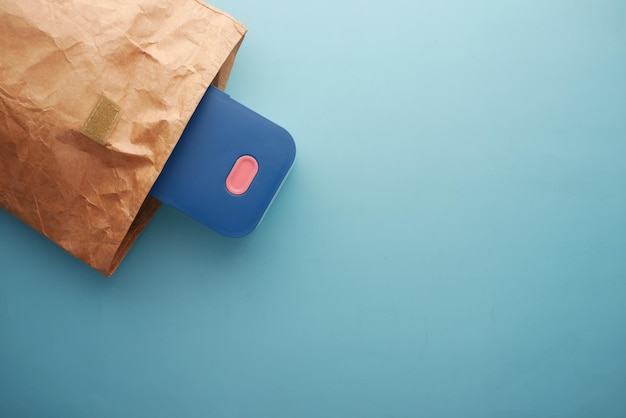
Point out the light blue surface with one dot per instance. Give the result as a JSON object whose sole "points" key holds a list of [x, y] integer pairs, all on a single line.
{"points": [[451, 241]]}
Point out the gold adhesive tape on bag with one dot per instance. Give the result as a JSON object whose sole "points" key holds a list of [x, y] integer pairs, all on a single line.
{"points": [[102, 120]]}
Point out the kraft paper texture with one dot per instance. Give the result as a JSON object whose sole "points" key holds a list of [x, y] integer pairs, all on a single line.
{"points": [[94, 96]]}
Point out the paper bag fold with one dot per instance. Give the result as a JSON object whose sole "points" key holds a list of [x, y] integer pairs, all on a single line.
{"points": [[153, 59]]}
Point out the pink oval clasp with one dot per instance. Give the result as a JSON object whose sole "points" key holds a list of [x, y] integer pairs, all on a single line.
{"points": [[241, 175]]}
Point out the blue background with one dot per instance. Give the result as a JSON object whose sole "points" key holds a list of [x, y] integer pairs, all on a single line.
{"points": [[451, 241]]}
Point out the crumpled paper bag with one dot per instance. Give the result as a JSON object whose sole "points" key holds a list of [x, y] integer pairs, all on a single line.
{"points": [[94, 96]]}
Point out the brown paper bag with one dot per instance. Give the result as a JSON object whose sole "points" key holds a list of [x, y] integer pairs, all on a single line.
{"points": [[94, 96]]}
